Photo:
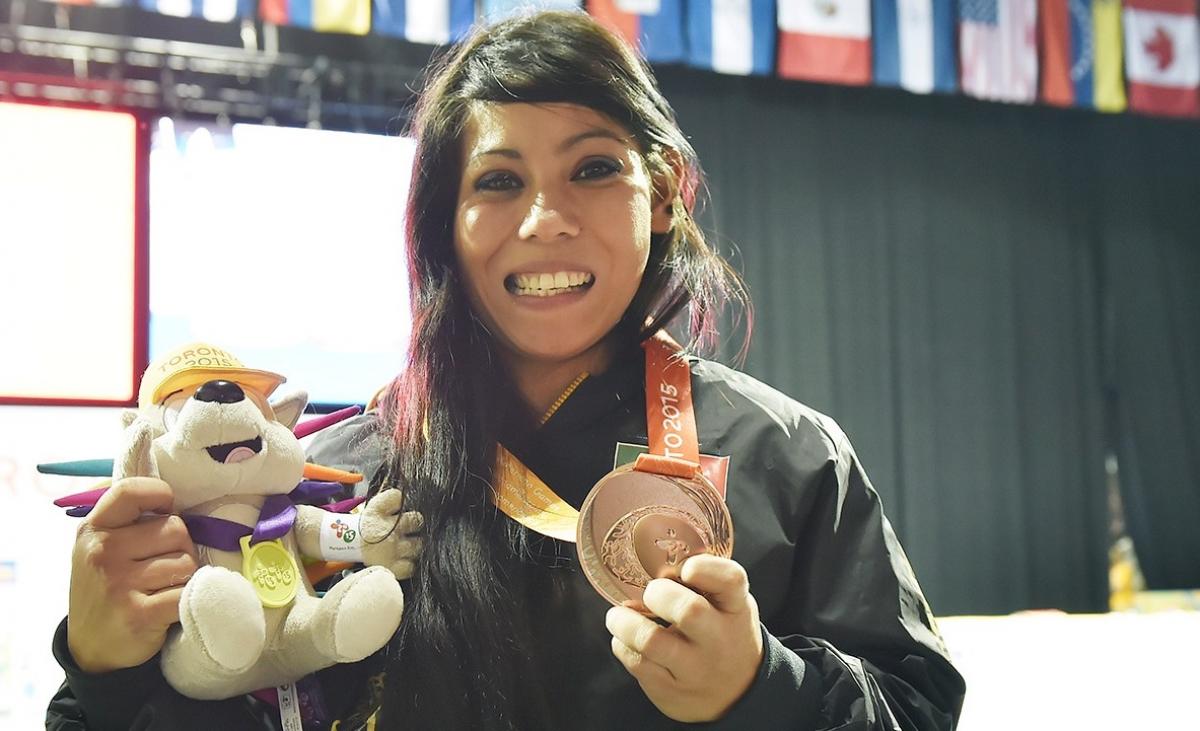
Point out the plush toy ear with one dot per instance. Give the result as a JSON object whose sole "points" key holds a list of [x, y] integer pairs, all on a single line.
{"points": [[289, 408], [128, 416], [136, 459]]}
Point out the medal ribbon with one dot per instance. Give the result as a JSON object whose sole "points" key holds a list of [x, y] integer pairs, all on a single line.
{"points": [[670, 420], [274, 520], [674, 447]]}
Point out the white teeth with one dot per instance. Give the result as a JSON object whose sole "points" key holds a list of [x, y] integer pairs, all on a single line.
{"points": [[547, 284]]}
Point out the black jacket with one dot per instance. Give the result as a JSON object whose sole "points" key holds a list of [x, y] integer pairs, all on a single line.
{"points": [[850, 641]]}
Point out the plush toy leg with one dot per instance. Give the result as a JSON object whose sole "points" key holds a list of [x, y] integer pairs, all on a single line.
{"points": [[221, 635], [353, 620]]}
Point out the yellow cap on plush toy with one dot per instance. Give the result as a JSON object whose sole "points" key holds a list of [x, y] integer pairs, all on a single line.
{"points": [[195, 364]]}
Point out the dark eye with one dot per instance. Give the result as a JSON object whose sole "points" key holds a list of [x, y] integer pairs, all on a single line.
{"points": [[499, 180], [597, 168]]}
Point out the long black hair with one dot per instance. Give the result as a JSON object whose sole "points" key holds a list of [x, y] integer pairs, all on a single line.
{"points": [[458, 660]]}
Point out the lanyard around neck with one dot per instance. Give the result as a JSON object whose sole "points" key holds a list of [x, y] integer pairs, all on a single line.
{"points": [[671, 428]]}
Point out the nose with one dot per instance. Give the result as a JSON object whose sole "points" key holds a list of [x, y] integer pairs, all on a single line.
{"points": [[220, 392], [548, 220]]}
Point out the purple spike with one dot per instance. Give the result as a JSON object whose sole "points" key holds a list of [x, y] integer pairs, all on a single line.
{"points": [[79, 511], [312, 426], [309, 492], [344, 506]]}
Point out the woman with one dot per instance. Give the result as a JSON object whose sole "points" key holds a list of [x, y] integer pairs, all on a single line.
{"points": [[550, 236]]}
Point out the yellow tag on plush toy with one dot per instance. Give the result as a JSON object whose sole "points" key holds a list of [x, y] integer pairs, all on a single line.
{"points": [[271, 570]]}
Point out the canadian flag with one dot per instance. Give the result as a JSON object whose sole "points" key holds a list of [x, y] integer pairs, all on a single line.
{"points": [[1162, 52]]}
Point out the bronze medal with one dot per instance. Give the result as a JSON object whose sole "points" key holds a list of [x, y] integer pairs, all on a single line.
{"points": [[643, 520], [637, 526]]}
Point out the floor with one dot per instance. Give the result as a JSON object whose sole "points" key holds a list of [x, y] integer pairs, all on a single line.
{"points": [[1104, 672]]}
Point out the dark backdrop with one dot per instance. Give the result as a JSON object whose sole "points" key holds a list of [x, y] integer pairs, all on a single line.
{"points": [[988, 298]]}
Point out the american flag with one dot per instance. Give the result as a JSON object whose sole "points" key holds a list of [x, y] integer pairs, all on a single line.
{"points": [[997, 43]]}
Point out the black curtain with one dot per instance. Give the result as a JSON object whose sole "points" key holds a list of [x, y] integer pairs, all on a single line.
{"points": [[933, 272], [1149, 225]]}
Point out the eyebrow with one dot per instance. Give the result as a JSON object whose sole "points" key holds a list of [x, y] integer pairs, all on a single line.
{"points": [[594, 133]]}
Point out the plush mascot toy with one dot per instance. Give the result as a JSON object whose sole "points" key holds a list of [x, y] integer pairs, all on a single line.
{"points": [[249, 617]]}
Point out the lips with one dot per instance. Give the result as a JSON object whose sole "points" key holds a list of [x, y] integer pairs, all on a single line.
{"points": [[235, 451]]}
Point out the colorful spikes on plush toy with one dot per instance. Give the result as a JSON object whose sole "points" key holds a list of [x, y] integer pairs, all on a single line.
{"points": [[249, 618]]}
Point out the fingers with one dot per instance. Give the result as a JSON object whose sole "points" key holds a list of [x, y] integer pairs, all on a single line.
{"points": [[158, 536], [722, 581], [125, 502], [698, 666], [647, 673], [687, 611], [164, 572], [161, 609], [641, 635]]}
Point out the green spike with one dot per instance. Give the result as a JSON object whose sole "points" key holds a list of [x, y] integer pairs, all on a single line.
{"points": [[79, 468]]}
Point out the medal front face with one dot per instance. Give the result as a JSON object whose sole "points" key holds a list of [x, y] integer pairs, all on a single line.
{"points": [[637, 526], [271, 570]]}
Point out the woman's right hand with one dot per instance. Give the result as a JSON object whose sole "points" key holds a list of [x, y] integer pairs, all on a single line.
{"points": [[130, 562]]}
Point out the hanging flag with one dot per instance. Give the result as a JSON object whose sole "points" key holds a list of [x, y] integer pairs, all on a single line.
{"points": [[98, 3], [435, 22], [1081, 54], [913, 45], [654, 27], [218, 11], [327, 16], [1162, 55], [286, 12], [731, 36], [494, 10], [825, 40], [342, 16], [997, 43]]}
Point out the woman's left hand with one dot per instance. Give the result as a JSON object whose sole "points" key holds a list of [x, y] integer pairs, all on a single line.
{"points": [[698, 667]]}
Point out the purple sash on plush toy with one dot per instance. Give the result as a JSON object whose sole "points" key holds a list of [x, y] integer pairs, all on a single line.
{"points": [[274, 520]]}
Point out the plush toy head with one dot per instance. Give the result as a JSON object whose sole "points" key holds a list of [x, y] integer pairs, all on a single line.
{"points": [[213, 432]]}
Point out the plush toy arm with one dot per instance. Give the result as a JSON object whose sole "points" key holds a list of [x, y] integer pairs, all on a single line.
{"points": [[307, 530], [387, 533]]}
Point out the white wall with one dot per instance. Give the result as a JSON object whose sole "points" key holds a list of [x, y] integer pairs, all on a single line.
{"points": [[35, 544]]}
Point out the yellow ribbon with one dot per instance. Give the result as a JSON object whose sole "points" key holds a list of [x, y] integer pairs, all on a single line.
{"points": [[522, 496]]}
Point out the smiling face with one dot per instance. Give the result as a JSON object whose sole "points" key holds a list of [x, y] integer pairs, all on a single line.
{"points": [[552, 228]]}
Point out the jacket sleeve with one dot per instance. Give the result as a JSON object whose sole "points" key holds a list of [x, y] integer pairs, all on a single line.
{"points": [[856, 646], [100, 701], [139, 699]]}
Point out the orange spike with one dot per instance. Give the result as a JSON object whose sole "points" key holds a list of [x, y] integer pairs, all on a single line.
{"points": [[329, 474], [321, 570]]}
